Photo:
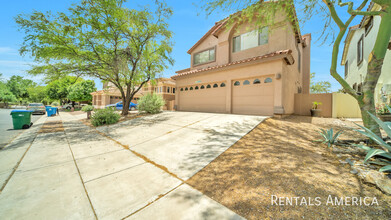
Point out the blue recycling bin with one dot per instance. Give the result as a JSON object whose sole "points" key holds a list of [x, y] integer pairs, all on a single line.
{"points": [[51, 111]]}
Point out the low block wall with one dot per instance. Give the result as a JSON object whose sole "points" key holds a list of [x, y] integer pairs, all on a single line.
{"points": [[303, 104], [336, 105], [345, 106]]}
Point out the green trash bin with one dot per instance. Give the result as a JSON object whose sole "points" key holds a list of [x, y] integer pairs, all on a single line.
{"points": [[21, 119]]}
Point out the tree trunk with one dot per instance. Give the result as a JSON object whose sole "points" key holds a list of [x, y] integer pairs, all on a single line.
{"points": [[126, 102], [374, 70], [367, 102]]}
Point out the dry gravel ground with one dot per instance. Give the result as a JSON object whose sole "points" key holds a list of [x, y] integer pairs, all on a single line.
{"points": [[279, 158]]}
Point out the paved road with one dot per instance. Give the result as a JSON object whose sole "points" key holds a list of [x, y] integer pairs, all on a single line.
{"points": [[6, 127]]}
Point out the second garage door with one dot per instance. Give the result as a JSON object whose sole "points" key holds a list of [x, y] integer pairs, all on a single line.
{"points": [[203, 98], [253, 96]]}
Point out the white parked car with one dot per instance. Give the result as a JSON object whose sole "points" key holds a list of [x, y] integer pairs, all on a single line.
{"points": [[69, 106]]}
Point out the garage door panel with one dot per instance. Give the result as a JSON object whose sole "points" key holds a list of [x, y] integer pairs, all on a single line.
{"points": [[257, 99], [204, 100]]}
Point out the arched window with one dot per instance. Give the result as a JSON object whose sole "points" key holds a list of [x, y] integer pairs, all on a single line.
{"points": [[246, 82], [257, 81], [196, 88], [181, 89], [215, 85], [237, 83], [222, 85], [208, 87], [202, 87], [268, 80], [186, 89], [191, 88]]}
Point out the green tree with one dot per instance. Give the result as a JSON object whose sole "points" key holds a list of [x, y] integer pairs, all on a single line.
{"points": [[6, 96], [18, 86], [334, 27], [58, 89], [101, 39], [319, 87], [81, 91], [37, 94]]}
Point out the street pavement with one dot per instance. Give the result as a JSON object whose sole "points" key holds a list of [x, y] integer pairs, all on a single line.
{"points": [[6, 128]]}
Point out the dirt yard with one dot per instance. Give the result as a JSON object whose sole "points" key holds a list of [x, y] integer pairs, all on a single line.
{"points": [[279, 158]]}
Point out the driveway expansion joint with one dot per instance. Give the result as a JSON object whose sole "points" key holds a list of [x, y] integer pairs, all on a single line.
{"points": [[81, 178]]}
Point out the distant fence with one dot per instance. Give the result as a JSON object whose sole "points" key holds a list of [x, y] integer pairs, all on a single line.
{"points": [[336, 105], [169, 105], [303, 104], [345, 106]]}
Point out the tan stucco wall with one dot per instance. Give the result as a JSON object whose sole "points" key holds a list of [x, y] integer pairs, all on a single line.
{"points": [[303, 104]]}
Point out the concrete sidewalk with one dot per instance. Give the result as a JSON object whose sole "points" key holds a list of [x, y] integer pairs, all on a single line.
{"points": [[79, 173]]}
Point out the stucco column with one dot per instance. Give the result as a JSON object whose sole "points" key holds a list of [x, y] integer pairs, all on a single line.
{"points": [[177, 94], [278, 102], [228, 97]]}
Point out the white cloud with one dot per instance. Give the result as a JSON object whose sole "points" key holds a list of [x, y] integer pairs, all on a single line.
{"points": [[14, 63], [8, 50]]}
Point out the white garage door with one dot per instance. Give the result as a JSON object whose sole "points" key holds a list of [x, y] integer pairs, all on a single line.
{"points": [[203, 98], [253, 96]]}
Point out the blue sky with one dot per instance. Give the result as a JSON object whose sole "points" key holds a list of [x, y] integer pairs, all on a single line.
{"points": [[188, 23]]}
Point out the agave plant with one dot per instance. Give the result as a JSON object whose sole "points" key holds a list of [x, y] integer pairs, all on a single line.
{"points": [[383, 156], [328, 136]]}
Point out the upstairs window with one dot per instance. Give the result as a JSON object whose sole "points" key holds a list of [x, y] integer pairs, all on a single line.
{"points": [[360, 50], [173, 90], [204, 57], [202, 87], [368, 26], [250, 39]]}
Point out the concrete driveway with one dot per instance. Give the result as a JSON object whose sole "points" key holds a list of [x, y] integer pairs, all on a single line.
{"points": [[135, 169], [182, 142]]}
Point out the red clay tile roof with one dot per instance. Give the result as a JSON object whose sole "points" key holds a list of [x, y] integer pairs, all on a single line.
{"points": [[203, 37], [289, 60]]}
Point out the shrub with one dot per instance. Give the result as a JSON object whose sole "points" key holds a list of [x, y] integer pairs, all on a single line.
{"points": [[55, 104], [105, 116], [328, 136], [151, 103], [381, 156], [87, 108]]}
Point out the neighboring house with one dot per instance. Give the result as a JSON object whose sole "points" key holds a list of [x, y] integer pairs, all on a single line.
{"points": [[358, 46], [238, 69], [110, 94]]}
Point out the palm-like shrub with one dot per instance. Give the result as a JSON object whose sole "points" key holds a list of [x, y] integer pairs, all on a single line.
{"points": [[151, 103], [382, 156], [328, 136], [105, 116]]}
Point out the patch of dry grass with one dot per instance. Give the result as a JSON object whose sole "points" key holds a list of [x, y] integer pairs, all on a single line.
{"points": [[51, 127], [280, 158]]}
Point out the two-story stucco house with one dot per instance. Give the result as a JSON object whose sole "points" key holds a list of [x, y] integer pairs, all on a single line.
{"points": [[161, 86], [358, 45], [243, 69]]}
